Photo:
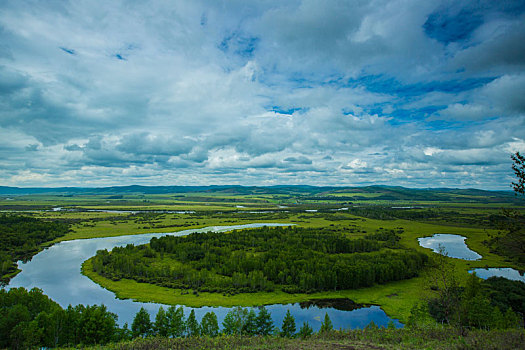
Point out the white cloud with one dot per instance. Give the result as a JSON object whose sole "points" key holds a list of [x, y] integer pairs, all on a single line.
{"points": [[254, 92]]}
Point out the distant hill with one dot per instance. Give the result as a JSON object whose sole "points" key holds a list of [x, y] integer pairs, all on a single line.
{"points": [[305, 193]]}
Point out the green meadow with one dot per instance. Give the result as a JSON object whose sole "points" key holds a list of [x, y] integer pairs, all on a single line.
{"points": [[420, 214]]}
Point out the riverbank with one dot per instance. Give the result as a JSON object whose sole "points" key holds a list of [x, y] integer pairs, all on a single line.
{"points": [[395, 298]]}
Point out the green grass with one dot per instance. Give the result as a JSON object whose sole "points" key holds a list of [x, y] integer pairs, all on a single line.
{"points": [[396, 298]]}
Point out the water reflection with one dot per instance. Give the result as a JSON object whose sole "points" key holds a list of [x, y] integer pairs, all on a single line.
{"points": [[505, 272], [453, 246], [342, 304], [56, 270]]}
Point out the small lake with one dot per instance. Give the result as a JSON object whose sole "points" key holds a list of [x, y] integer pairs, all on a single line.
{"points": [[56, 270], [505, 272], [454, 246]]}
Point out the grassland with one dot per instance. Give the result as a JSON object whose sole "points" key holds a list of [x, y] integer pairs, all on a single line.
{"points": [[396, 298], [139, 213]]}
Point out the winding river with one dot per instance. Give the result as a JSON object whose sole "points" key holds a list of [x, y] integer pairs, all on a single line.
{"points": [[56, 270]]}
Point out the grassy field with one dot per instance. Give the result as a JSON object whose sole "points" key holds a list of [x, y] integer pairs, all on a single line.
{"points": [[215, 209]]}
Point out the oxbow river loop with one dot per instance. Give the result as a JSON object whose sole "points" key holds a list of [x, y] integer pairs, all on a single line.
{"points": [[56, 270]]}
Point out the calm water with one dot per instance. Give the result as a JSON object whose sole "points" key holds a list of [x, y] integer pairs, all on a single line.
{"points": [[506, 272], [56, 271], [454, 246]]}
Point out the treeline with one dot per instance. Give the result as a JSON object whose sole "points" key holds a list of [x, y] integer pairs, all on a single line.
{"points": [[29, 319], [473, 219], [492, 303], [21, 237], [238, 321], [290, 258], [510, 241]]}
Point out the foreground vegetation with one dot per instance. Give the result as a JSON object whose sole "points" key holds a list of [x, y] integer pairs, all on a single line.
{"points": [[29, 319], [438, 337]]}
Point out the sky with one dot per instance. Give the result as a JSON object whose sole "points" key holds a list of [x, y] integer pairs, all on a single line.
{"points": [[346, 93]]}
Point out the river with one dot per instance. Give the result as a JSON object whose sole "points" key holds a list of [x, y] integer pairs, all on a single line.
{"points": [[56, 270]]}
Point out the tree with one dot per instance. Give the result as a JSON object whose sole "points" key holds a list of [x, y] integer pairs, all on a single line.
{"points": [[264, 322], [176, 324], [250, 324], [305, 331], [210, 325], [161, 325], [288, 327], [97, 325], [234, 321], [511, 240], [326, 326], [519, 171], [192, 325], [443, 280], [141, 326]]}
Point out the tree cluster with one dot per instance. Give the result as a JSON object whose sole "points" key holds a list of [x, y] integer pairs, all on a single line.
{"points": [[291, 258], [495, 303], [21, 237], [30, 319], [238, 321]]}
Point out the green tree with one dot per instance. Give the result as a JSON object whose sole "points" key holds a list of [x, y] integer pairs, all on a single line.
{"points": [[519, 171], [98, 325], [210, 325], [234, 321], [445, 306], [264, 322], [176, 323], [192, 325], [288, 328], [510, 241], [123, 334], [141, 326], [305, 331], [511, 320], [161, 325], [326, 326], [250, 324], [229, 324]]}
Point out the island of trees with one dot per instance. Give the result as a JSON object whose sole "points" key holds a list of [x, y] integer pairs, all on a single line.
{"points": [[292, 259]]}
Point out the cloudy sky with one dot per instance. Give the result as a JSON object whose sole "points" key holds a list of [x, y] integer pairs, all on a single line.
{"points": [[411, 93]]}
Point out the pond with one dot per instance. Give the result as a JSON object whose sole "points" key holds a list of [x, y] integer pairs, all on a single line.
{"points": [[505, 272], [56, 270], [454, 246]]}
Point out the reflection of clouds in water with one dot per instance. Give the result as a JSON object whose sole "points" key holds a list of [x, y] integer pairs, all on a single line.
{"points": [[454, 246], [505, 272], [57, 272]]}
